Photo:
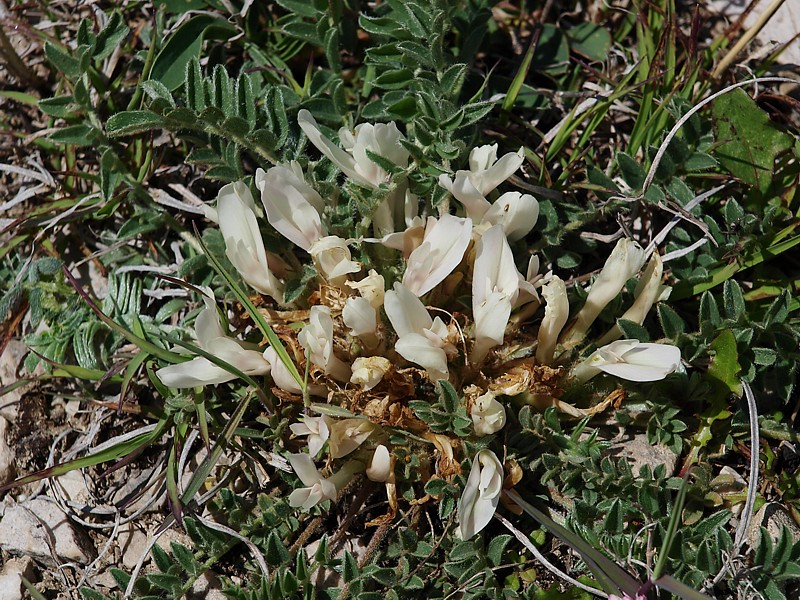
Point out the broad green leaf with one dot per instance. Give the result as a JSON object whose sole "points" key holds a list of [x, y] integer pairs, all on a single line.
{"points": [[184, 44], [748, 141], [724, 368], [591, 40]]}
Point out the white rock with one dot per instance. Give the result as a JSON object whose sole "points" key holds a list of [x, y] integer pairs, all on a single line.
{"points": [[10, 360], [132, 542], [11, 577], [7, 469], [772, 516], [73, 486], [205, 585], [639, 452], [781, 28], [31, 528]]}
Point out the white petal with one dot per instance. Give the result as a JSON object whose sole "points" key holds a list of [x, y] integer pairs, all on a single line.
{"points": [[491, 317], [516, 212], [250, 362], [647, 292], [624, 262], [405, 311], [381, 465], [481, 494], [482, 157], [443, 247], [305, 469], [207, 326], [556, 313], [194, 373], [336, 155], [494, 267], [418, 349], [288, 208], [243, 244], [280, 374], [465, 192], [347, 435], [500, 171], [332, 259], [646, 362], [359, 315], [488, 415]]}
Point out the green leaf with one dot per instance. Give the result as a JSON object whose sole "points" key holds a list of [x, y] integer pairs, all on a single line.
{"points": [[496, 548], [709, 313], [671, 322], [276, 553], [349, 567], [182, 46], [59, 106], [75, 135], [733, 300], [724, 368], [699, 161], [157, 90], [62, 60], [133, 122], [395, 79], [631, 171], [591, 40], [302, 8], [111, 36], [748, 141], [633, 331]]}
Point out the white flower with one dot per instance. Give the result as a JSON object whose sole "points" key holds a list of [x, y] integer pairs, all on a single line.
{"points": [[631, 360], [648, 291], [293, 207], [485, 174], [212, 339], [421, 340], [243, 244], [369, 371], [332, 259], [349, 434], [317, 340], [624, 262], [443, 246], [380, 467], [495, 287], [381, 139], [316, 428], [318, 488], [360, 316], [556, 313], [516, 212], [372, 287], [481, 494], [488, 415]]}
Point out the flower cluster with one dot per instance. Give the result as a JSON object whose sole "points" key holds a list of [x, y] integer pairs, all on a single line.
{"points": [[372, 347]]}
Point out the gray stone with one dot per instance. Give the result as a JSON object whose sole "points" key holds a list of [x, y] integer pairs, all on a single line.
{"points": [[7, 469], [132, 542], [11, 577], [773, 517], [639, 452], [40, 529], [73, 487], [10, 360], [781, 28]]}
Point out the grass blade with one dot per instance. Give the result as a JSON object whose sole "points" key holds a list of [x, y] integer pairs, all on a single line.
{"points": [[257, 317]]}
